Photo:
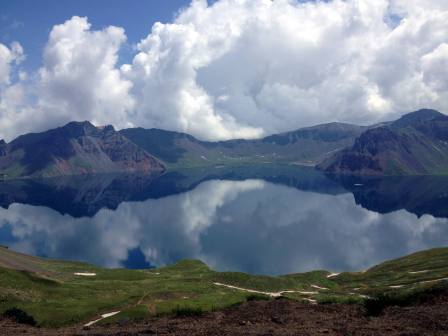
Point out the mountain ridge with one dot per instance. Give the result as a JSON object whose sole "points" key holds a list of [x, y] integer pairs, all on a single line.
{"points": [[75, 148], [416, 143], [306, 146]]}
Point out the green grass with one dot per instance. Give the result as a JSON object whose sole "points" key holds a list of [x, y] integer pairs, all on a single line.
{"points": [[375, 306], [186, 311], [53, 296]]}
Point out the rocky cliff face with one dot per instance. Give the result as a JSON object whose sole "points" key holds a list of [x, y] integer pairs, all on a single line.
{"points": [[416, 144], [76, 148]]}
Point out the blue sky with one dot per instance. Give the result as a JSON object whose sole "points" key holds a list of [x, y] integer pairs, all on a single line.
{"points": [[30, 21]]}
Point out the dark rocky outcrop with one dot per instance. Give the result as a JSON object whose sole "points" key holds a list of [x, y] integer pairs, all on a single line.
{"points": [[416, 144]]}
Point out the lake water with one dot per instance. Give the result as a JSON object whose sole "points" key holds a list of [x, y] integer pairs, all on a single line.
{"points": [[264, 219]]}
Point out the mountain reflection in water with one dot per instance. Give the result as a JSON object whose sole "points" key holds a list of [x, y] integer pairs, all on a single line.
{"points": [[262, 219]]}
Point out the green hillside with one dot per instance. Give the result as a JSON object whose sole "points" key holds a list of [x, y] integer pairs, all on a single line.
{"points": [[52, 294]]}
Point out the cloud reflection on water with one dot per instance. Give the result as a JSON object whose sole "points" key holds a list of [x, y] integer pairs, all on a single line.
{"points": [[251, 226]]}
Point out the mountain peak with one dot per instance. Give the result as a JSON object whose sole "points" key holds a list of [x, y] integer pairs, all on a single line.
{"points": [[77, 124], [77, 128], [417, 116], [73, 149], [415, 144], [80, 128], [106, 128]]}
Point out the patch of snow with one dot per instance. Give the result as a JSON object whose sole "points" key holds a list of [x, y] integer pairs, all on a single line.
{"points": [[364, 296], [318, 287], [85, 274], [101, 318], [435, 280], [271, 294], [333, 275]]}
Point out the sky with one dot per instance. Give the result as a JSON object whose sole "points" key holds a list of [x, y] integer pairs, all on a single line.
{"points": [[220, 69], [30, 21]]}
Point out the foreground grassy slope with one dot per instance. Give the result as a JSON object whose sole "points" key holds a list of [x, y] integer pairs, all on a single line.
{"points": [[50, 291]]}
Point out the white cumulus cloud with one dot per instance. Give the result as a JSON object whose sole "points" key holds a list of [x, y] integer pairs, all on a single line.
{"points": [[12, 94], [247, 68], [79, 80], [9, 57], [285, 64]]}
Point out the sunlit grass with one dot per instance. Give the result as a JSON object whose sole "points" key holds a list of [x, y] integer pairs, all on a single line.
{"points": [[55, 297]]}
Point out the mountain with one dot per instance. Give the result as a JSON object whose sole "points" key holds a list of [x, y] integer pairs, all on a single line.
{"points": [[306, 146], [76, 148], [415, 144]]}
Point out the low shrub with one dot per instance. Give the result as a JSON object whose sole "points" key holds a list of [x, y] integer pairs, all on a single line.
{"points": [[257, 297], [20, 316], [339, 299], [188, 311], [375, 306]]}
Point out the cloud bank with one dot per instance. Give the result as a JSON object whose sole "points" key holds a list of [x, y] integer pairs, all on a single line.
{"points": [[238, 69]]}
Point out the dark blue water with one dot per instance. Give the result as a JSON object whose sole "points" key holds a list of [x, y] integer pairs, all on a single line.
{"points": [[265, 220]]}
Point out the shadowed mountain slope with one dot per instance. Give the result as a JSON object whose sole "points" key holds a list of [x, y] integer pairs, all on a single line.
{"points": [[76, 148], [416, 144]]}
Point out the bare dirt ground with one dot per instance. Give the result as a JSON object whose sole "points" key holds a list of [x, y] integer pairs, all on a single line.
{"points": [[277, 317]]}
